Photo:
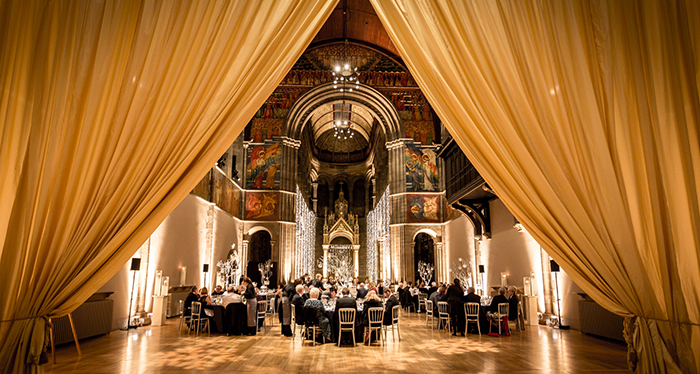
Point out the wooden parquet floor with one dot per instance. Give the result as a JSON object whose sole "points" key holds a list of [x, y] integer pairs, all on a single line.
{"points": [[163, 349]]}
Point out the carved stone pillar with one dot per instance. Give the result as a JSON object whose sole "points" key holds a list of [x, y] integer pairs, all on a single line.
{"points": [[325, 260], [356, 259], [244, 259], [314, 199]]}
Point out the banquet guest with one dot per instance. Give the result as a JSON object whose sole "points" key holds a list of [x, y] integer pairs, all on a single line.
{"points": [[422, 288], [333, 293], [192, 296], [320, 313], [391, 301], [439, 295], [380, 287], [512, 303], [474, 298], [373, 287], [432, 289], [230, 297], [285, 308], [204, 297], [298, 298], [455, 296], [371, 301], [317, 282], [252, 306], [414, 291], [218, 290], [345, 301], [362, 291], [498, 299]]}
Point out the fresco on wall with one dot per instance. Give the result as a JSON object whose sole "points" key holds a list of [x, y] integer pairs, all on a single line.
{"points": [[203, 188], [262, 206], [263, 166], [421, 169], [262, 129], [420, 131], [423, 208], [226, 195]]}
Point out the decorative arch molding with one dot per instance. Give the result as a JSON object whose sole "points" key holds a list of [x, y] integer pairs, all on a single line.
{"points": [[342, 234], [325, 93], [255, 229], [430, 232]]}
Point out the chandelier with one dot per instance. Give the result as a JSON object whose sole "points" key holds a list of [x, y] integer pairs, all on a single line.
{"points": [[342, 124], [345, 76]]}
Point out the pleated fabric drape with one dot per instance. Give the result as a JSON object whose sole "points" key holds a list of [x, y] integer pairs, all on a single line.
{"points": [[110, 112], [582, 115]]}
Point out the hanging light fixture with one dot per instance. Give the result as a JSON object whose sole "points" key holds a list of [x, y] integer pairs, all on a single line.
{"points": [[345, 76]]}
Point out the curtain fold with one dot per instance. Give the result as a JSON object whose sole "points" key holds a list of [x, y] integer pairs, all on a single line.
{"points": [[110, 113], [583, 117]]}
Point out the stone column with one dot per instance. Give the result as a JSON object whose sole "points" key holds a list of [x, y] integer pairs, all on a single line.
{"points": [[314, 199], [356, 259], [244, 260], [325, 260]]}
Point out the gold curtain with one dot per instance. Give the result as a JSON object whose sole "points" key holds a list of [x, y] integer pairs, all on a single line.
{"points": [[583, 117], [110, 113]]}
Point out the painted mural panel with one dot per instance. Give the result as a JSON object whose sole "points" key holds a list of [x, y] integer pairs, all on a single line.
{"points": [[262, 129], [203, 188], [421, 169], [423, 208], [262, 206], [420, 131], [263, 166], [226, 195]]}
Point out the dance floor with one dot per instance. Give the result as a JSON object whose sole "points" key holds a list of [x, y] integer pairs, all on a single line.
{"points": [[539, 349]]}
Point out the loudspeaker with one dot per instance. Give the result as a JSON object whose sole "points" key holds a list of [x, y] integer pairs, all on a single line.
{"points": [[135, 264], [554, 266], [481, 268], [205, 268]]}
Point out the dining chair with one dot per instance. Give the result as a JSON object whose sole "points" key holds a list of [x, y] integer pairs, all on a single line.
{"points": [[346, 320], [395, 311], [444, 314], [196, 320], [297, 322], [376, 318], [429, 314], [183, 318], [310, 323], [270, 308], [261, 313], [502, 312], [471, 313], [422, 297]]}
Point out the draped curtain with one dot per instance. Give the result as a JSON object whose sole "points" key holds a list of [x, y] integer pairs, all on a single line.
{"points": [[583, 118], [110, 113]]}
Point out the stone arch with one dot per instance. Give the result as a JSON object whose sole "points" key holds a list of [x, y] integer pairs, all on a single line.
{"points": [[382, 107], [430, 232]]}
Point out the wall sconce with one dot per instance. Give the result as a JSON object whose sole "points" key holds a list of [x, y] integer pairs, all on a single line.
{"points": [[158, 285], [183, 275]]}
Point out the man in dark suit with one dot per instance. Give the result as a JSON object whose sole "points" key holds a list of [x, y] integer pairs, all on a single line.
{"points": [[298, 300], [391, 301], [471, 296], [192, 296], [474, 298], [317, 282], [362, 291], [345, 301]]}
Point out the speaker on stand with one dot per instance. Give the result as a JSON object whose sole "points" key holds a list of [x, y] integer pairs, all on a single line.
{"points": [[555, 269], [135, 266]]}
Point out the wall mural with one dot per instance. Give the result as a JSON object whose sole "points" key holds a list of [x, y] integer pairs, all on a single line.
{"points": [[423, 208], [226, 195], [262, 129], [262, 206], [263, 166], [203, 188], [421, 169]]}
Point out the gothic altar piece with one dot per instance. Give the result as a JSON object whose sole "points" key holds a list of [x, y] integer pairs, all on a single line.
{"points": [[341, 224]]}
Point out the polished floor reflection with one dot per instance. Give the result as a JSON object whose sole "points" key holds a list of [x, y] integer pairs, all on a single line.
{"points": [[540, 349]]}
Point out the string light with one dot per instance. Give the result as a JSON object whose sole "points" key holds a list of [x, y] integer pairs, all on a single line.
{"points": [[378, 220], [305, 245]]}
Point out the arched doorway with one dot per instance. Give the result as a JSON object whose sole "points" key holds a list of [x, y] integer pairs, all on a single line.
{"points": [[259, 252], [424, 251]]}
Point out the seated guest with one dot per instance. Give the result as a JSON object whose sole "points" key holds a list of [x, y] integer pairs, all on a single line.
{"points": [[471, 296], [474, 298], [204, 297], [371, 301], [439, 295], [217, 291], [192, 296], [372, 287], [320, 313], [346, 301], [512, 303], [391, 301], [317, 282], [298, 299], [380, 287], [498, 299], [432, 289], [422, 288], [455, 295], [230, 297], [361, 291], [333, 293]]}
